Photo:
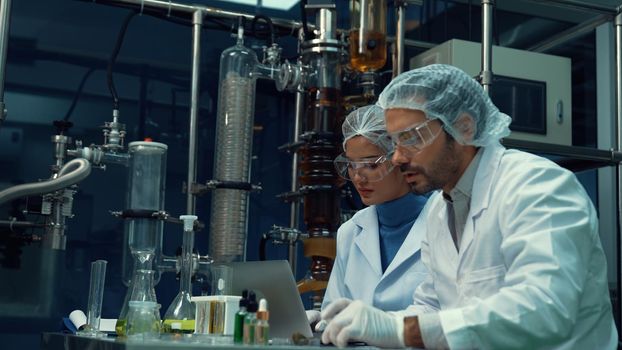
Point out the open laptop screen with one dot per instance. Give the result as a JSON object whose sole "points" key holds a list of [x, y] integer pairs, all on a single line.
{"points": [[273, 280]]}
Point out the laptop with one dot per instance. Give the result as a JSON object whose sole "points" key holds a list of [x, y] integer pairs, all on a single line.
{"points": [[274, 281]]}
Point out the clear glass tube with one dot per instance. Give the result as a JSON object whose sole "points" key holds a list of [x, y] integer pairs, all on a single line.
{"points": [[145, 191], [368, 34], [234, 131], [96, 293]]}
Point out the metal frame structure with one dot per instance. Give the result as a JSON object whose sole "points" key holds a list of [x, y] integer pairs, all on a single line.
{"points": [[583, 157]]}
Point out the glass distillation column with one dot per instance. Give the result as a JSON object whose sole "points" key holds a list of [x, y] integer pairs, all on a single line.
{"points": [[368, 40], [234, 132], [146, 184], [322, 125], [181, 310]]}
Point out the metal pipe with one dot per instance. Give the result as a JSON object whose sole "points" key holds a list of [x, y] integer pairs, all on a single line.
{"points": [[11, 224], [197, 24], [587, 6], [294, 214], [570, 34], [413, 43], [486, 74], [182, 9], [177, 9], [399, 34], [617, 125], [618, 71], [70, 174], [5, 23]]}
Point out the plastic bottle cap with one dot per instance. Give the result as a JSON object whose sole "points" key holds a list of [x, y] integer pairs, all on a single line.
{"points": [[262, 313], [252, 302], [188, 221], [148, 139], [263, 305]]}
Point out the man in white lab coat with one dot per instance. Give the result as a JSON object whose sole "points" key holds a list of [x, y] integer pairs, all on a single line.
{"points": [[512, 239]]}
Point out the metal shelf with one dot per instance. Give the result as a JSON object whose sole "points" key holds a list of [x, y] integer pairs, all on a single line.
{"points": [[573, 158]]}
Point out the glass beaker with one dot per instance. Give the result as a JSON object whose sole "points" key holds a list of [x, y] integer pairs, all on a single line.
{"points": [[368, 34], [143, 321], [141, 289]]}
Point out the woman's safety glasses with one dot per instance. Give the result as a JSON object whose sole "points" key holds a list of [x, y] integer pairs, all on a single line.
{"points": [[370, 169], [416, 137]]}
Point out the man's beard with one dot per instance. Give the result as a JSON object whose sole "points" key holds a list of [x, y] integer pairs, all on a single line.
{"points": [[440, 172]]}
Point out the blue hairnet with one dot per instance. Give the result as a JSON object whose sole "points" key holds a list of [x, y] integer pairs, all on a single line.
{"points": [[368, 122], [445, 92]]}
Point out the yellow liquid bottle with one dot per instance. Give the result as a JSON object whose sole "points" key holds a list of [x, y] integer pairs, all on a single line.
{"points": [[185, 326]]}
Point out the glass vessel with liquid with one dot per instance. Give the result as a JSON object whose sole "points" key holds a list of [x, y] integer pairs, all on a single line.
{"points": [[182, 311], [141, 289], [143, 321], [368, 34]]}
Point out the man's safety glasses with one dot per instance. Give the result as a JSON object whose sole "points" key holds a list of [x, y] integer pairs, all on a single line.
{"points": [[370, 169], [415, 137]]}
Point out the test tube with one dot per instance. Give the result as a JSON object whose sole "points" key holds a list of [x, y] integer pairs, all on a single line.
{"points": [[96, 294]]}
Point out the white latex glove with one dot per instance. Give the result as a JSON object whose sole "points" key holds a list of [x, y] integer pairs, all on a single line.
{"points": [[359, 322], [313, 316]]}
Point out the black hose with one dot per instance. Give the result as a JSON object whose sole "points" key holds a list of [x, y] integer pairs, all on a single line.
{"points": [[113, 58], [78, 93], [268, 22], [262, 247]]}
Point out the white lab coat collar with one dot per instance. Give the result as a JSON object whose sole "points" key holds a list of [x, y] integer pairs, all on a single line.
{"points": [[368, 241], [480, 196], [411, 244]]}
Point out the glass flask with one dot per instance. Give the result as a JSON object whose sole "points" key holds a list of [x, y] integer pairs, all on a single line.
{"points": [[143, 320], [368, 34], [141, 289], [182, 310]]}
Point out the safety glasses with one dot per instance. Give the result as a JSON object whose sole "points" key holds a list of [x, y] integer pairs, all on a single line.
{"points": [[370, 169], [416, 137]]}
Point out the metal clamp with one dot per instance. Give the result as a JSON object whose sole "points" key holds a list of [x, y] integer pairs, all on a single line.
{"points": [[141, 214], [284, 235], [200, 189]]}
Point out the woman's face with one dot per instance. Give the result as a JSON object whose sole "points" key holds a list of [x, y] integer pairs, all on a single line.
{"points": [[390, 187]]}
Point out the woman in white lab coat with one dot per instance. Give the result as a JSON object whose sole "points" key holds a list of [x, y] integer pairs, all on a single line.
{"points": [[378, 249]]}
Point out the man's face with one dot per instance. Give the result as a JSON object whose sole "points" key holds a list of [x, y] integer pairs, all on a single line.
{"points": [[426, 155]]}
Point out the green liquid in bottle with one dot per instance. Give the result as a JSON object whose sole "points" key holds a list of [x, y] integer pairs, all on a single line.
{"points": [[120, 327]]}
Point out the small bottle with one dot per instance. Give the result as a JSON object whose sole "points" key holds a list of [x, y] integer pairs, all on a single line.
{"points": [[250, 319], [238, 329], [262, 327]]}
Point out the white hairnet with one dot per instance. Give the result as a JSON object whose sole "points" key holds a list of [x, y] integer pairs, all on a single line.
{"points": [[368, 122], [445, 92]]}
